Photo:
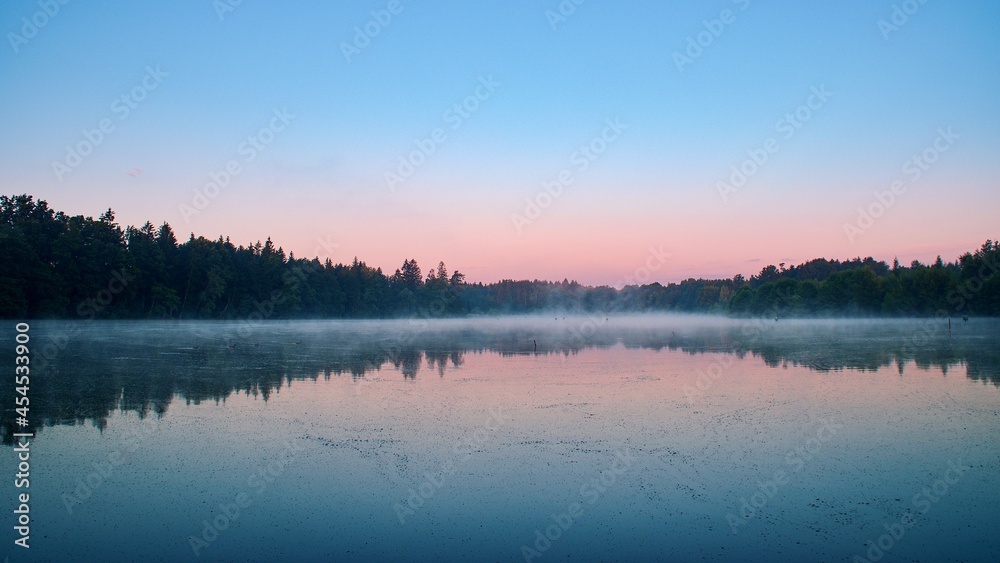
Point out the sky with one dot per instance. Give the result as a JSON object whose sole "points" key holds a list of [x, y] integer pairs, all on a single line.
{"points": [[597, 141]]}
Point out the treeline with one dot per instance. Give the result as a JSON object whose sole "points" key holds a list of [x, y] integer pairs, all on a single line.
{"points": [[56, 266]]}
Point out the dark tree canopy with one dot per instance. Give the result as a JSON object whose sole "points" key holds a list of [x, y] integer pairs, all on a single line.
{"points": [[57, 266]]}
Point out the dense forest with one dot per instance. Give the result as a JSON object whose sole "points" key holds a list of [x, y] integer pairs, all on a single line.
{"points": [[59, 266]]}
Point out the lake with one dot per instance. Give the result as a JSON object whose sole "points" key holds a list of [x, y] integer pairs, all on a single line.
{"points": [[504, 439]]}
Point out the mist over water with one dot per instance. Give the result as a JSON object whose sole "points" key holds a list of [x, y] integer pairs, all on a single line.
{"points": [[636, 437], [203, 360]]}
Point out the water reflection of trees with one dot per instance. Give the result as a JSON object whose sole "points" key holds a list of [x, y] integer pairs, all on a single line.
{"points": [[143, 368]]}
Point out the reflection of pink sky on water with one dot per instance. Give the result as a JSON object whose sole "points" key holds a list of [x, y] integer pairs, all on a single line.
{"points": [[502, 443], [636, 386]]}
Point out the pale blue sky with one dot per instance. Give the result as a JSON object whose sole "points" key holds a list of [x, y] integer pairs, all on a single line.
{"points": [[323, 177]]}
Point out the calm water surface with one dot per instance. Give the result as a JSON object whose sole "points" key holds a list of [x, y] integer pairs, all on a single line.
{"points": [[657, 438]]}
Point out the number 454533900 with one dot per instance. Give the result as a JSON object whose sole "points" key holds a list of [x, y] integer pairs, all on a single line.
{"points": [[21, 371]]}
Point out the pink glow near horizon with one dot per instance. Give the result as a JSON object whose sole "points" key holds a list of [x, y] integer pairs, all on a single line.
{"points": [[596, 240], [612, 251]]}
